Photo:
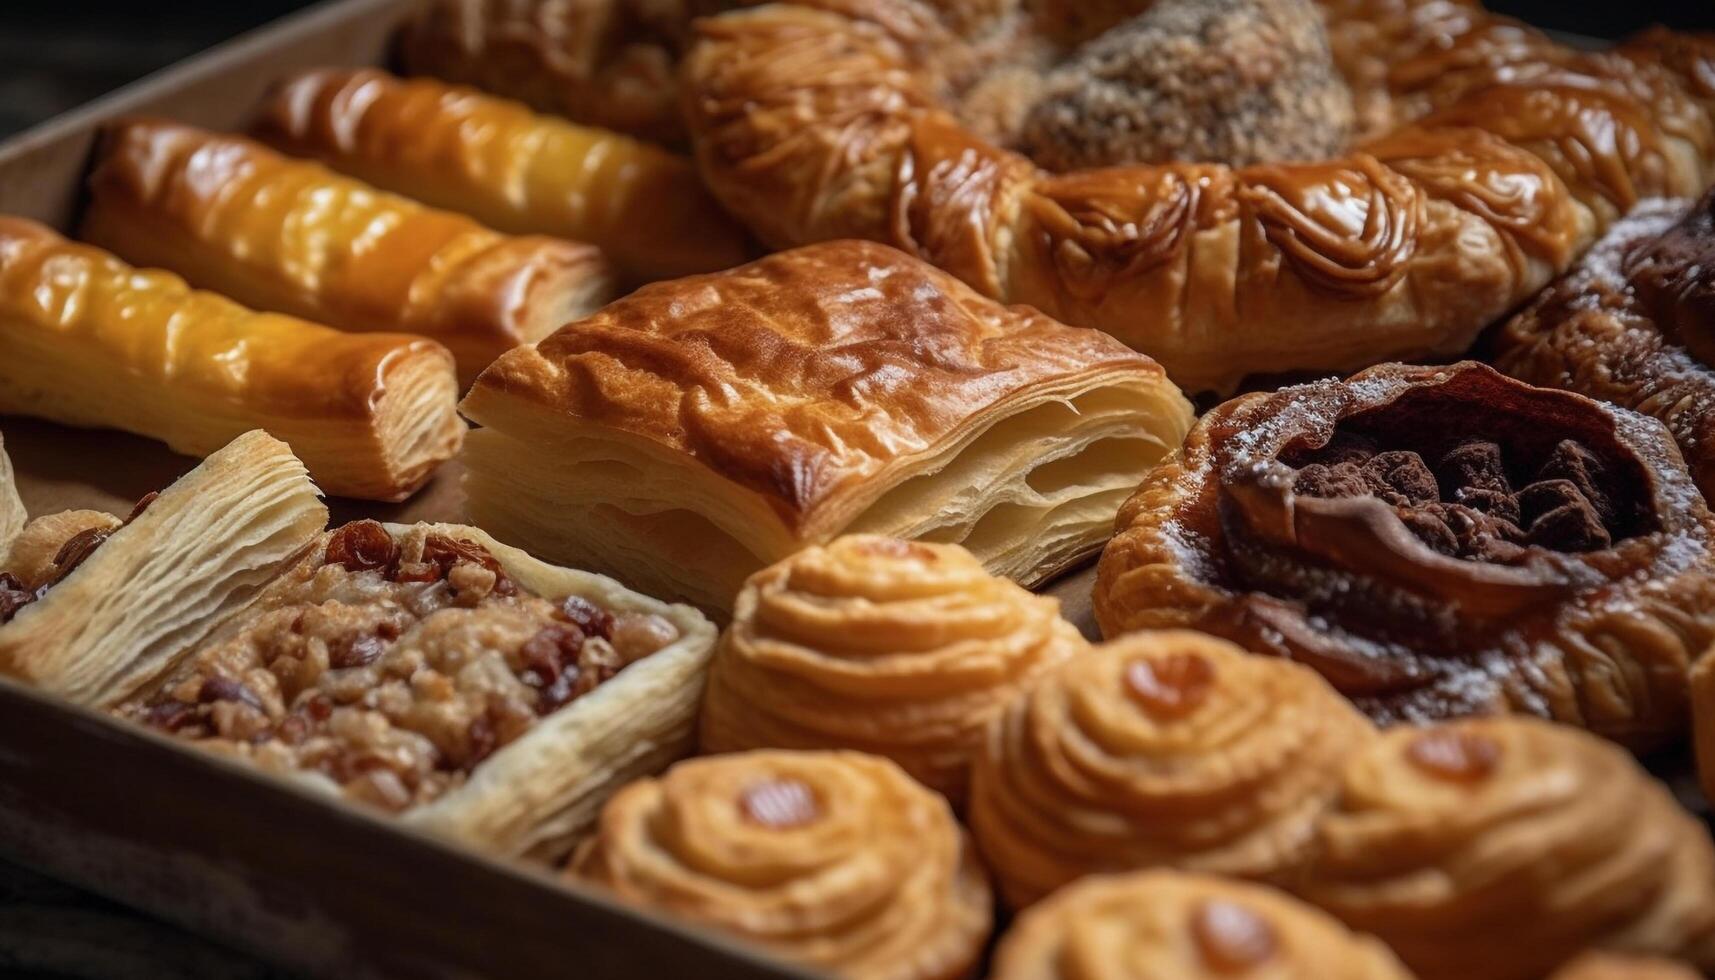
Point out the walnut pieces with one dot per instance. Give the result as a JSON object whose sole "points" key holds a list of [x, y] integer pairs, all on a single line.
{"points": [[1499, 848], [900, 648], [835, 860], [1436, 542], [1159, 749], [1170, 925]]}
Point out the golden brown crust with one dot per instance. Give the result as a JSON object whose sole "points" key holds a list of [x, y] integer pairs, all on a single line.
{"points": [[1499, 848], [1170, 925], [1353, 526], [1160, 749], [901, 649], [839, 387], [91, 341], [836, 860], [815, 123], [508, 167], [289, 236]]}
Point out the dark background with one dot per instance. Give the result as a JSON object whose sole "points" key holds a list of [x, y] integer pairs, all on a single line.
{"points": [[56, 55]]}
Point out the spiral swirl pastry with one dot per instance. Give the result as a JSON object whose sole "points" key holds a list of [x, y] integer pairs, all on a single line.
{"points": [[1168, 748], [897, 648], [835, 860], [1499, 848], [1172, 925], [1437, 542]]}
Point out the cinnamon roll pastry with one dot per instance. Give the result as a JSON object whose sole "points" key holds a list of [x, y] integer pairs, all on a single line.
{"points": [[1500, 848], [834, 860], [508, 167], [12, 514], [1610, 966], [697, 431], [1171, 925], [286, 235], [1160, 749], [1214, 212], [903, 649], [91, 341], [1633, 324], [430, 672], [1436, 541], [96, 609]]}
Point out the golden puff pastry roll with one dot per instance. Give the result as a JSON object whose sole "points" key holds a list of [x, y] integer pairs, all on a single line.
{"points": [[1174, 925], [697, 431], [835, 860], [287, 235], [12, 513], [119, 602], [903, 649], [91, 341], [1160, 749], [510, 168], [1499, 848]]}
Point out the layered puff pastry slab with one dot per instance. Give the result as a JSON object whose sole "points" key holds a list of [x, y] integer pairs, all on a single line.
{"points": [[91, 341], [110, 607], [512, 169], [1169, 925], [432, 672], [288, 235], [838, 861], [697, 431], [1500, 848], [903, 649]]}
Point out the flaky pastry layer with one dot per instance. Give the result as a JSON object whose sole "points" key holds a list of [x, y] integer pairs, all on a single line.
{"points": [[91, 341], [12, 514]]}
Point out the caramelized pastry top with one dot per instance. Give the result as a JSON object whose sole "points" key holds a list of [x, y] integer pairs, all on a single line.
{"points": [[1169, 925], [836, 860], [804, 374], [1171, 748], [1497, 849], [900, 648], [1435, 541], [392, 666]]}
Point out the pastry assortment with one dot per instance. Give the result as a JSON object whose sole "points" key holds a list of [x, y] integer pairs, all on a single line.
{"points": [[698, 430], [1379, 647], [1436, 541]]}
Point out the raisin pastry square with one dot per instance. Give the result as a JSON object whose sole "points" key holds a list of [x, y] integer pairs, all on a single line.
{"points": [[696, 431]]}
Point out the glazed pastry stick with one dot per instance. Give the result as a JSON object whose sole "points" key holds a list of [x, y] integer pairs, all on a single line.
{"points": [[91, 341], [161, 582], [508, 167], [289, 236]]}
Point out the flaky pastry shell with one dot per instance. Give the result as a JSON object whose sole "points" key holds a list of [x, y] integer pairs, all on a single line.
{"points": [[1160, 749], [287, 235], [91, 341], [698, 430], [1499, 848], [510, 168], [902, 649], [1435, 541], [835, 860], [1172, 925]]}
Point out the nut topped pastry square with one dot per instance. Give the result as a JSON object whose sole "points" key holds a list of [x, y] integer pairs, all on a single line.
{"points": [[698, 430]]}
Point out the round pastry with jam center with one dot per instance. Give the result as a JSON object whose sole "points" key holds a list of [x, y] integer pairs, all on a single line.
{"points": [[1436, 542]]}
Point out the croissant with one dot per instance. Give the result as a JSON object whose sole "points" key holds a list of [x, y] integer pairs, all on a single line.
{"points": [[288, 236], [1488, 158], [1500, 848], [1610, 966], [1633, 324], [91, 341], [903, 649], [114, 603], [508, 167], [835, 860], [697, 431], [1170, 925], [1170, 748], [1435, 541]]}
